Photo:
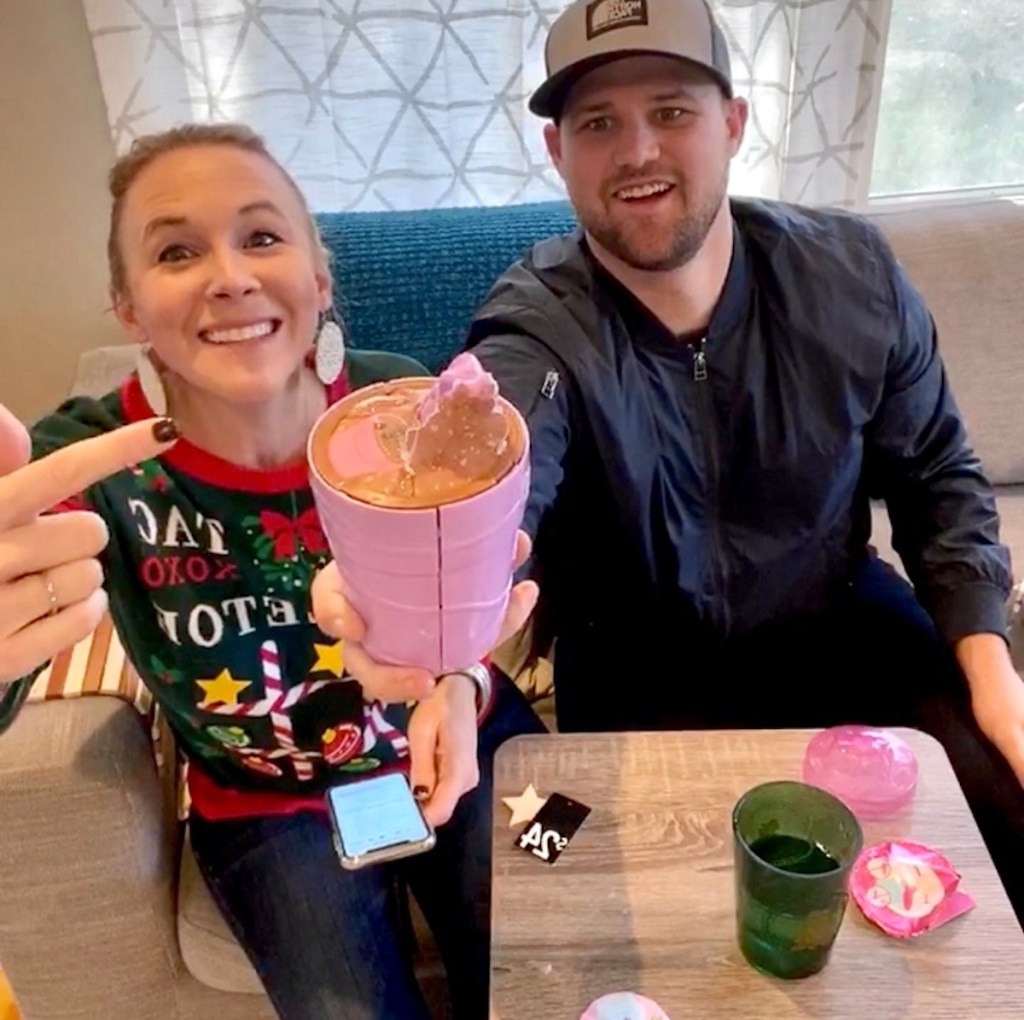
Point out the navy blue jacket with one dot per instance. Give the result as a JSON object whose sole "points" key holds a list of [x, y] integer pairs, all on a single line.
{"points": [[723, 481]]}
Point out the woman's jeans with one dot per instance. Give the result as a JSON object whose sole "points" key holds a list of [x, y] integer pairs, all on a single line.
{"points": [[331, 944]]}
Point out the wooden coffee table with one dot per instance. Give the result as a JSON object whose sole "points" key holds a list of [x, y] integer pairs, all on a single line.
{"points": [[642, 898]]}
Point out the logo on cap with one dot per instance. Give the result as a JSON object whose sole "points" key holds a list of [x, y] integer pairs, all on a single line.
{"points": [[607, 15]]}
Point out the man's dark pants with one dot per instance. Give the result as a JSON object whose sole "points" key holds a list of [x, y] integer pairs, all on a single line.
{"points": [[874, 658]]}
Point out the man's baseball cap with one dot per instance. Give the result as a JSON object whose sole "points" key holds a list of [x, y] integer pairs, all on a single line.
{"points": [[593, 32]]}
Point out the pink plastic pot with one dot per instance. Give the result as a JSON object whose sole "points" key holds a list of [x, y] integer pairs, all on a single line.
{"points": [[431, 584]]}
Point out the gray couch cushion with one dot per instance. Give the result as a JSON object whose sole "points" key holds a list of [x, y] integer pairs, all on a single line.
{"points": [[86, 893], [964, 259]]}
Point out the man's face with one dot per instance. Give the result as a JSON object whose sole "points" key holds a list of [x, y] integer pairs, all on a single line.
{"points": [[644, 146]]}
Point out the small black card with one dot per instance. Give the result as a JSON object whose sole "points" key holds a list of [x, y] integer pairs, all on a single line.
{"points": [[548, 834]]}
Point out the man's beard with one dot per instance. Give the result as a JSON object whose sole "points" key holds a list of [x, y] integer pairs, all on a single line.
{"points": [[691, 231]]}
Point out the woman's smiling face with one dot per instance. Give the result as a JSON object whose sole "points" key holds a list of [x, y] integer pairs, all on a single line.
{"points": [[223, 277]]}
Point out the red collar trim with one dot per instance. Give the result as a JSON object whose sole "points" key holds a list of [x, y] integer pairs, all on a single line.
{"points": [[205, 467]]}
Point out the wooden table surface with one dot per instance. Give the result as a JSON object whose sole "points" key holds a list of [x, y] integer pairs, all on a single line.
{"points": [[642, 898]]}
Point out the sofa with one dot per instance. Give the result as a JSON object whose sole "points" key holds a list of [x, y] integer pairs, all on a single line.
{"points": [[102, 914]]}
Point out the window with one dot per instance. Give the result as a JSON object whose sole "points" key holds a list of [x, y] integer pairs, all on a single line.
{"points": [[952, 107]]}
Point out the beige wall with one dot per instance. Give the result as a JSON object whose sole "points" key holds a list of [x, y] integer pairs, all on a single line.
{"points": [[54, 152]]}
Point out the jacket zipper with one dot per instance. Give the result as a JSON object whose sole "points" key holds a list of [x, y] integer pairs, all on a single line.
{"points": [[719, 610], [700, 360]]}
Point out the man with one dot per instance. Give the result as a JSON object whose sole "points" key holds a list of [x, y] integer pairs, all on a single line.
{"points": [[714, 390]]}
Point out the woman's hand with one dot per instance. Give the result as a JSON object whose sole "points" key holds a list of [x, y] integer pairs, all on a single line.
{"points": [[335, 615], [51, 593], [442, 747]]}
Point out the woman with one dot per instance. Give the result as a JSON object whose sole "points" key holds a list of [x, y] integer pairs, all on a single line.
{"points": [[218, 274]]}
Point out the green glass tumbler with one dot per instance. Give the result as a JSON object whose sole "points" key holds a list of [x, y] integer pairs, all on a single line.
{"points": [[794, 846]]}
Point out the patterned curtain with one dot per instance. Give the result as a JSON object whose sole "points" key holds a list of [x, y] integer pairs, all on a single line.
{"points": [[812, 70], [382, 104]]}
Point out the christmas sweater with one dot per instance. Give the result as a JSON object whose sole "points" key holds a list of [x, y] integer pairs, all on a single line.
{"points": [[208, 570]]}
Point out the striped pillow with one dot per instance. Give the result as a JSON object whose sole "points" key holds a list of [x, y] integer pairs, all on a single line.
{"points": [[96, 665]]}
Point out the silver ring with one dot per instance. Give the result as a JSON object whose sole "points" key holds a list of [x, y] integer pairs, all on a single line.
{"points": [[51, 594]]}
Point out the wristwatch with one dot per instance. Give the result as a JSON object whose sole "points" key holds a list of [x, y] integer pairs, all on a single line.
{"points": [[481, 677]]}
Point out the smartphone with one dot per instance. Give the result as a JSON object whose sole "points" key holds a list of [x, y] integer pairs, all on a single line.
{"points": [[377, 819]]}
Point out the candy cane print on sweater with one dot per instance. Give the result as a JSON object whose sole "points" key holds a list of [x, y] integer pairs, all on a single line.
{"points": [[378, 728], [275, 702], [270, 663]]}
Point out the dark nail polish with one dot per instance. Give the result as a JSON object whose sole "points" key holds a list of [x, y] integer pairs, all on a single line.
{"points": [[420, 792], [165, 431]]}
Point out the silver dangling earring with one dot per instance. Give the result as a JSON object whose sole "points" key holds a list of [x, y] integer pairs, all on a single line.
{"points": [[329, 356], [150, 381]]}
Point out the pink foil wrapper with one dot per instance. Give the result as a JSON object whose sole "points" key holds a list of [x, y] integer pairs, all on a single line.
{"points": [[907, 888]]}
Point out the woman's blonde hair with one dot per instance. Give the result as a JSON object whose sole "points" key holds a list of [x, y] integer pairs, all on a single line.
{"points": [[147, 148]]}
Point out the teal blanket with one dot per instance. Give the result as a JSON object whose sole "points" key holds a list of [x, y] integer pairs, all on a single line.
{"points": [[409, 282]]}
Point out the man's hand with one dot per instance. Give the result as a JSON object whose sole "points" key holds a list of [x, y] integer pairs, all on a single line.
{"points": [[442, 747], [997, 695], [380, 682], [51, 593]]}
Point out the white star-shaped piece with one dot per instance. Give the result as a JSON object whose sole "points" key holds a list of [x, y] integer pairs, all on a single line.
{"points": [[525, 806]]}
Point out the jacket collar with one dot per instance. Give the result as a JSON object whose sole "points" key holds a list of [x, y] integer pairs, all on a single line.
{"points": [[732, 305], [734, 301]]}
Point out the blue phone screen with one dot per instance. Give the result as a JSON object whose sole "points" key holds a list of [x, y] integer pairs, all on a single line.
{"points": [[374, 813]]}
